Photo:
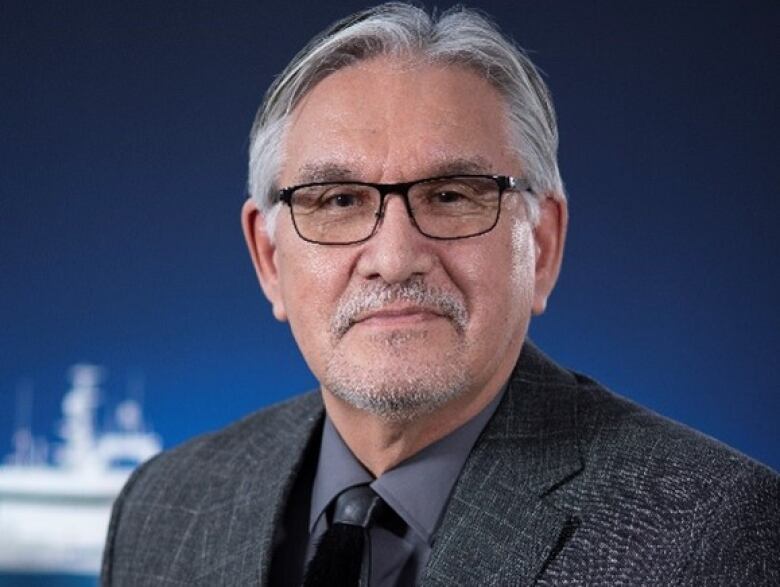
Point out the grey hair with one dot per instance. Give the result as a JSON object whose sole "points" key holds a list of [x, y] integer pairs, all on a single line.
{"points": [[459, 36]]}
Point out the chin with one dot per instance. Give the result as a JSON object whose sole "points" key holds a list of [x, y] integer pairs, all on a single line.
{"points": [[396, 392]]}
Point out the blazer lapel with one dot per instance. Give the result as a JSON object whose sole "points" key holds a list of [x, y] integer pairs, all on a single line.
{"points": [[503, 523], [281, 473], [254, 496]]}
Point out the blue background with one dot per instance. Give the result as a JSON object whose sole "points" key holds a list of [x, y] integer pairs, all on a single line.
{"points": [[123, 139]]}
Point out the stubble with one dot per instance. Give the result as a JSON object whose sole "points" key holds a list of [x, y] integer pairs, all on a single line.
{"points": [[399, 386]]}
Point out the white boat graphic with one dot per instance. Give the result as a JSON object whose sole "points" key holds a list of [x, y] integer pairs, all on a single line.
{"points": [[54, 515]]}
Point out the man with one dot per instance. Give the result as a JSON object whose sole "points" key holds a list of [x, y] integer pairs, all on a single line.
{"points": [[407, 218]]}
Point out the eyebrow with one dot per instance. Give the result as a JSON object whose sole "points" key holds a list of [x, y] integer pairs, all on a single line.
{"points": [[462, 165], [325, 171], [322, 171]]}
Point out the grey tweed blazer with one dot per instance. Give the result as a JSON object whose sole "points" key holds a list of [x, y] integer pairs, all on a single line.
{"points": [[568, 484]]}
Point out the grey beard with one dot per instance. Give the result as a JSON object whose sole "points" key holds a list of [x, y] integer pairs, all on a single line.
{"points": [[402, 399], [397, 395]]}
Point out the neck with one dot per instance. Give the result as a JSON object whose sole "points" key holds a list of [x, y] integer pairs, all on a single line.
{"points": [[381, 444]]}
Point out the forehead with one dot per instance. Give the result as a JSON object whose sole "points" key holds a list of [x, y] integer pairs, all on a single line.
{"points": [[391, 120]]}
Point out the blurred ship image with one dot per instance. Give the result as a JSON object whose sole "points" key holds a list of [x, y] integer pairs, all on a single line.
{"points": [[54, 512]]}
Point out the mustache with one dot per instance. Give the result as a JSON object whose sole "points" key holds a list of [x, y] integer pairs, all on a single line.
{"points": [[374, 297]]}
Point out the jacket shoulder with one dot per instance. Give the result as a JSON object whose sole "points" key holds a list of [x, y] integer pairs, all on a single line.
{"points": [[613, 425], [248, 441], [212, 501], [667, 492]]}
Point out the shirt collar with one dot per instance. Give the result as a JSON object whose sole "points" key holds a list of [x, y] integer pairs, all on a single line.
{"points": [[417, 489], [337, 470]]}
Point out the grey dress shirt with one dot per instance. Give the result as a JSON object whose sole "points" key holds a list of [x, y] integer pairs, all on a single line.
{"points": [[417, 490]]}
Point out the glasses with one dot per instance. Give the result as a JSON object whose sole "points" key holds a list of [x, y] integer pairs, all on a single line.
{"points": [[445, 208]]}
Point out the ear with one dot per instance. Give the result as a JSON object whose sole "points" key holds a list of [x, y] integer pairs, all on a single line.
{"points": [[549, 237], [263, 253]]}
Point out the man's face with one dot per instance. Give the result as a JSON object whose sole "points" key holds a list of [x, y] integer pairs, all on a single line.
{"points": [[402, 323]]}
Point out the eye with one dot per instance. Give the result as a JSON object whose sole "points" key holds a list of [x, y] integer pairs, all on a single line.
{"points": [[454, 196], [447, 197], [340, 200], [333, 199], [450, 195]]}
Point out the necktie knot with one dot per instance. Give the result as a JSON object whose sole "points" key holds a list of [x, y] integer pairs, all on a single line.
{"points": [[343, 556], [358, 506]]}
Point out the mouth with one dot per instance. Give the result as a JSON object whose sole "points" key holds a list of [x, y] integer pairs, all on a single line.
{"points": [[408, 305], [393, 317]]}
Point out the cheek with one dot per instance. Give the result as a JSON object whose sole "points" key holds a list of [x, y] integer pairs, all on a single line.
{"points": [[311, 280], [310, 263], [306, 290], [496, 280]]}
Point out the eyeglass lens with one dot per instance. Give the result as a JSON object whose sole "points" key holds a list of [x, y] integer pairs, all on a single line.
{"points": [[451, 207]]}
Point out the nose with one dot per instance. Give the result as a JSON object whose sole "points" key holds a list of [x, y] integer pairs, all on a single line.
{"points": [[397, 251]]}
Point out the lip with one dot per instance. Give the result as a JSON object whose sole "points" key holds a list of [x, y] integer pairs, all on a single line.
{"points": [[398, 316]]}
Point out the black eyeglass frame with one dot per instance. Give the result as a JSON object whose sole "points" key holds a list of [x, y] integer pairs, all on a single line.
{"points": [[505, 183]]}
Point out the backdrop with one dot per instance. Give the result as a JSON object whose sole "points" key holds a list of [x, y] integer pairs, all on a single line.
{"points": [[123, 139]]}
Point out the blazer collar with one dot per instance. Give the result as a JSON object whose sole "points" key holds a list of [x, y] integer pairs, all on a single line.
{"points": [[275, 444], [506, 519]]}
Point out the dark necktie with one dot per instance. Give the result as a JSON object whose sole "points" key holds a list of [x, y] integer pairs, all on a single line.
{"points": [[343, 555]]}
